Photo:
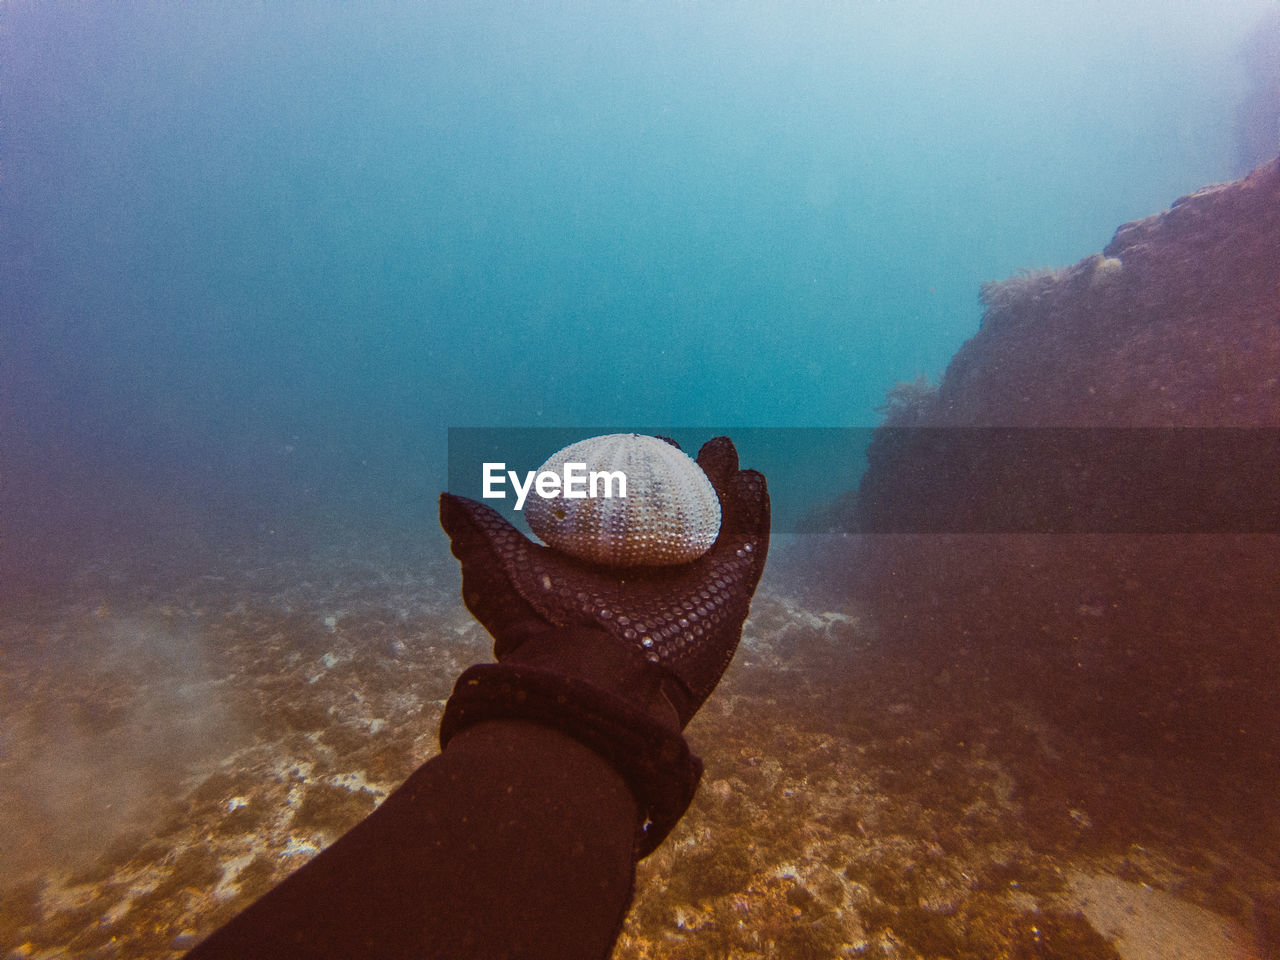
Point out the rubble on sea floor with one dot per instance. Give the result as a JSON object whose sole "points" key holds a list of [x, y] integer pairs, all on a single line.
{"points": [[840, 815]]}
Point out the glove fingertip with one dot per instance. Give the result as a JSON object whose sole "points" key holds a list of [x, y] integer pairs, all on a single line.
{"points": [[718, 459], [464, 515], [479, 536], [453, 512], [449, 510]]}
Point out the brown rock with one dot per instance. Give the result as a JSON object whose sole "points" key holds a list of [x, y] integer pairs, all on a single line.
{"points": [[1159, 646]]}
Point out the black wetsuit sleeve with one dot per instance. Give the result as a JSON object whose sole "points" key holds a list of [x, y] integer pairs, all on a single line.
{"points": [[516, 842]]}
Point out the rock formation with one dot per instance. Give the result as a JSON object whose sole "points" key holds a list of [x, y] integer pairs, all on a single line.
{"points": [[1160, 646]]}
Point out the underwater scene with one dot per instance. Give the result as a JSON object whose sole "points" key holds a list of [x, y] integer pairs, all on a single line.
{"points": [[986, 290]]}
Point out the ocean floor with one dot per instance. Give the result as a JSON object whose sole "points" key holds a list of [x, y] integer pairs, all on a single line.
{"points": [[168, 753]]}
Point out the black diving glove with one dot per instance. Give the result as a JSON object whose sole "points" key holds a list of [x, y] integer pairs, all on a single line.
{"points": [[619, 658]]}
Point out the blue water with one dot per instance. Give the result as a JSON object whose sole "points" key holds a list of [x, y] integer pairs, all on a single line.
{"points": [[258, 257]]}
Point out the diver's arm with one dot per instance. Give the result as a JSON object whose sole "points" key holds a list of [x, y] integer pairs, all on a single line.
{"points": [[563, 763], [516, 841]]}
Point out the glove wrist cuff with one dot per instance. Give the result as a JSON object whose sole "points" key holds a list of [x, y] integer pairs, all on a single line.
{"points": [[653, 759]]}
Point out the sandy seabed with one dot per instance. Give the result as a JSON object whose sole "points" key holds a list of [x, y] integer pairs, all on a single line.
{"points": [[167, 754]]}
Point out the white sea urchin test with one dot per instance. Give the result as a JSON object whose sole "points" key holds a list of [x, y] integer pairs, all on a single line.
{"points": [[670, 513]]}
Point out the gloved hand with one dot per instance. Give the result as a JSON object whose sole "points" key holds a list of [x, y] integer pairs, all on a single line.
{"points": [[685, 620], [618, 657]]}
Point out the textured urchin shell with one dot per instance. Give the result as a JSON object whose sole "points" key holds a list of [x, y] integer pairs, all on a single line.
{"points": [[670, 515]]}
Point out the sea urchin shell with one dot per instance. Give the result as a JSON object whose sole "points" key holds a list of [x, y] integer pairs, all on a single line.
{"points": [[670, 514]]}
